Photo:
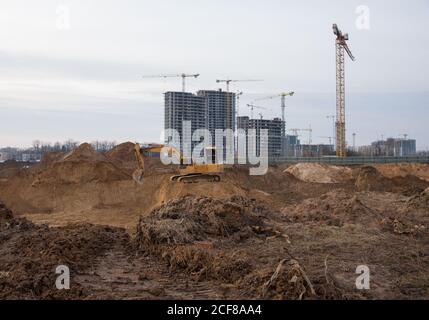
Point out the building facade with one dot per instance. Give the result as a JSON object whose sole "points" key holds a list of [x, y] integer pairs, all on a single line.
{"points": [[391, 147], [274, 129], [208, 109], [180, 107]]}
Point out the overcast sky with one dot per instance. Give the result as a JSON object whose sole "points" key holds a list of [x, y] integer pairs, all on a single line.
{"points": [[72, 69]]}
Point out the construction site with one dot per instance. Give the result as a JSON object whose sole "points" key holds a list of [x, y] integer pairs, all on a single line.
{"points": [[130, 227], [298, 232]]}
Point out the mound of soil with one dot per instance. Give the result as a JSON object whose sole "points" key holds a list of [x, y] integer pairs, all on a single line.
{"points": [[123, 157], [320, 173], [420, 201], [370, 179], [201, 234], [80, 166], [85, 153], [334, 208], [29, 255], [190, 219], [392, 170]]}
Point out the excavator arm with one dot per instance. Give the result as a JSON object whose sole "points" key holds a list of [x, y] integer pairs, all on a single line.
{"points": [[139, 153]]}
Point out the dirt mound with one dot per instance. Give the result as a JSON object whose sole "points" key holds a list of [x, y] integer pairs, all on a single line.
{"points": [[370, 179], [320, 173], [85, 152], [419, 201], [123, 157], [80, 166], [391, 170], [201, 234], [29, 255], [189, 219], [334, 208]]}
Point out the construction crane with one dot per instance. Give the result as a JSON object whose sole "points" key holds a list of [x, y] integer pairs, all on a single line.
{"points": [[341, 45], [252, 106], [309, 130], [237, 95], [261, 115], [330, 139], [182, 75], [332, 117], [228, 81], [283, 96]]}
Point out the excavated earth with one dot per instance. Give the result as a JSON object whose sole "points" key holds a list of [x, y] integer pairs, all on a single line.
{"points": [[298, 232]]}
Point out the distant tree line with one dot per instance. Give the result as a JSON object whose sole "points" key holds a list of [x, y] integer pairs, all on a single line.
{"points": [[68, 145], [39, 148]]}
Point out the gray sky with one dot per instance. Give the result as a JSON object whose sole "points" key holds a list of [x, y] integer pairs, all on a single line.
{"points": [[84, 82]]}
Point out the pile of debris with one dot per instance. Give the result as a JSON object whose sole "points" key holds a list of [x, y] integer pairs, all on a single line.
{"points": [[190, 219], [201, 234]]}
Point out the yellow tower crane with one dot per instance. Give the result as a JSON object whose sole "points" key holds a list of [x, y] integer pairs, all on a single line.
{"points": [[341, 45]]}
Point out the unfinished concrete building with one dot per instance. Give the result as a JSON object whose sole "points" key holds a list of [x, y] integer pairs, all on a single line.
{"points": [[208, 109], [274, 128], [184, 106], [220, 110]]}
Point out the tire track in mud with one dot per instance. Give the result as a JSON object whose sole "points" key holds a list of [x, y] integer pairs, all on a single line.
{"points": [[117, 275]]}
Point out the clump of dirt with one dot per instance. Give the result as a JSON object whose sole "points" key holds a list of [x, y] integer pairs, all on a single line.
{"points": [[370, 179], [289, 280], [29, 255], [321, 173]]}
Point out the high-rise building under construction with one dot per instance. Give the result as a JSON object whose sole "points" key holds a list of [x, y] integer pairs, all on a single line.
{"points": [[208, 109]]}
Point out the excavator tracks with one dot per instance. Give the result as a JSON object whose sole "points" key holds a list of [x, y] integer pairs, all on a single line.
{"points": [[195, 178]]}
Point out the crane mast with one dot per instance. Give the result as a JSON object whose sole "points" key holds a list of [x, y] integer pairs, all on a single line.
{"points": [[340, 124], [283, 96], [252, 106]]}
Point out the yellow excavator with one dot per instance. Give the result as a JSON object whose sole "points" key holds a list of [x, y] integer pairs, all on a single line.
{"points": [[188, 173]]}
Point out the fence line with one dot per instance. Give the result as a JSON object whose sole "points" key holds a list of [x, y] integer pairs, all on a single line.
{"points": [[350, 160]]}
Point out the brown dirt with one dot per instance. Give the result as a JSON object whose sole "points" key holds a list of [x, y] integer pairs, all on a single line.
{"points": [[275, 236], [419, 170], [370, 179], [321, 173]]}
